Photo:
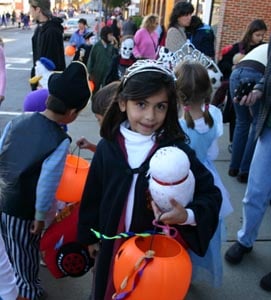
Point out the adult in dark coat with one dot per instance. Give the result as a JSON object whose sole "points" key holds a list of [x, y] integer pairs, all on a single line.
{"points": [[47, 40]]}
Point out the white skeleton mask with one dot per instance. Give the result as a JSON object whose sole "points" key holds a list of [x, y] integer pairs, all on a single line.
{"points": [[126, 48]]}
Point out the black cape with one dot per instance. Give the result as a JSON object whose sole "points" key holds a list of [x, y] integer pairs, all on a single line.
{"points": [[105, 196]]}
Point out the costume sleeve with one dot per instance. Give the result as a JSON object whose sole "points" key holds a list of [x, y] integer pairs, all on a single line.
{"points": [[90, 203], [73, 39], [3, 136], [175, 39], [213, 150], [137, 40], [205, 205], [91, 61], [50, 175]]}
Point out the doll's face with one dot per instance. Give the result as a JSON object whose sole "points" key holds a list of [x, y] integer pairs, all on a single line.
{"points": [[40, 69], [126, 48]]}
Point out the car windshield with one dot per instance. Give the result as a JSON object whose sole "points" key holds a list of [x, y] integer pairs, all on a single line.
{"points": [[72, 22]]}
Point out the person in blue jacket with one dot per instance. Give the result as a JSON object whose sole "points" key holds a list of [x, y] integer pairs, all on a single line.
{"points": [[201, 36], [77, 38]]}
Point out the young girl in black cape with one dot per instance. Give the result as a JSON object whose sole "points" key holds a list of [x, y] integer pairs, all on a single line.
{"points": [[142, 118]]}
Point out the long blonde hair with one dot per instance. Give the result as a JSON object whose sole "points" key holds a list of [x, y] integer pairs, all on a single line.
{"points": [[150, 22]]}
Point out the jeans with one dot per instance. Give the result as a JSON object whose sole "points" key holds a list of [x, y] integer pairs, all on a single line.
{"points": [[258, 192], [243, 143]]}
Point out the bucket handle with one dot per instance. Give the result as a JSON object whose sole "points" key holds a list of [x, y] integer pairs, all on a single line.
{"points": [[78, 156]]}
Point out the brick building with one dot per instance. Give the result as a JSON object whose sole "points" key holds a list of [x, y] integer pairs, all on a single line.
{"points": [[229, 18]]}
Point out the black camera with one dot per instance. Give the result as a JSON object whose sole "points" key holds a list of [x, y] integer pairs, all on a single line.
{"points": [[244, 88]]}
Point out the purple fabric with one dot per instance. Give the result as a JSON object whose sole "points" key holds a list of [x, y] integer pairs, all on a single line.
{"points": [[35, 100]]}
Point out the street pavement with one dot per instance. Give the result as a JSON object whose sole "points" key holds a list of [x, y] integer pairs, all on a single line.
{"points": [[240, 282]]}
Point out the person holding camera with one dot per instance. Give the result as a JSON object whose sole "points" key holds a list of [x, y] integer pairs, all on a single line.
{"points": [[258, 192], [246, 73]]}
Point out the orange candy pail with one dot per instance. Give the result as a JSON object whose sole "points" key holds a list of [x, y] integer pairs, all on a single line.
{"points": [[166, 276], [73, 179], [70, 50]]}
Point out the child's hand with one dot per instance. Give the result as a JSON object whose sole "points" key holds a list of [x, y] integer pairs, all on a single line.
{"points": [[177, 215], [83, 143], [93, 250], [37, 227]]}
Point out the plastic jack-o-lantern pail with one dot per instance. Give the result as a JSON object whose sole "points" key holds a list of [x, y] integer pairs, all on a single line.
{"points": [[73, 179], [70, 50], [166, 276]]}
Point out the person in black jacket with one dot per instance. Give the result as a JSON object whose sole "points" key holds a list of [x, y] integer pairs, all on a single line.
{"points": [[47, 40]]}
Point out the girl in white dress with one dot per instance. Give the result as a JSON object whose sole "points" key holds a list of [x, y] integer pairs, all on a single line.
{"points": [[203, 125]]}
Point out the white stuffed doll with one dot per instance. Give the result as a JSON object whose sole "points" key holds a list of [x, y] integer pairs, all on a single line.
{"points": [[170, 178], [43, 69]]}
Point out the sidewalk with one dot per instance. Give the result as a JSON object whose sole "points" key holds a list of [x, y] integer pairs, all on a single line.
{"points": [[240, 282]]}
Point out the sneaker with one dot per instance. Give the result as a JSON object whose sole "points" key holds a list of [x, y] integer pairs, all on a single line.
{"points": [[235, 253], [265, 282], [42, 263]]}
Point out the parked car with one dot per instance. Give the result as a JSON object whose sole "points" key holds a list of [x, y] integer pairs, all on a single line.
{"points": [[70, 26], [63, 15]]}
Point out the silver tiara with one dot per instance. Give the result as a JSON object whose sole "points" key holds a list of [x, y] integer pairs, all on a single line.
{"points": [[146, 65]]}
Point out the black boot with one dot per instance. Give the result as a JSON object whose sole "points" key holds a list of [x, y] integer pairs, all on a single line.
{"points": [[265, 282], [235, 253]]}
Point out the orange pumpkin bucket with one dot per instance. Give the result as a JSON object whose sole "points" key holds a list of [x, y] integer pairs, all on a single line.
{"points": [[70, 50], [91, 85], [154, 267], [73, 179]]}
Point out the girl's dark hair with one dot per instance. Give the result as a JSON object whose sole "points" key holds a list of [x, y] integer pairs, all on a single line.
{"points": [[180, 9], [102, 99], [139, 87], [195, 23], [193, 86], [256, 25]]}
